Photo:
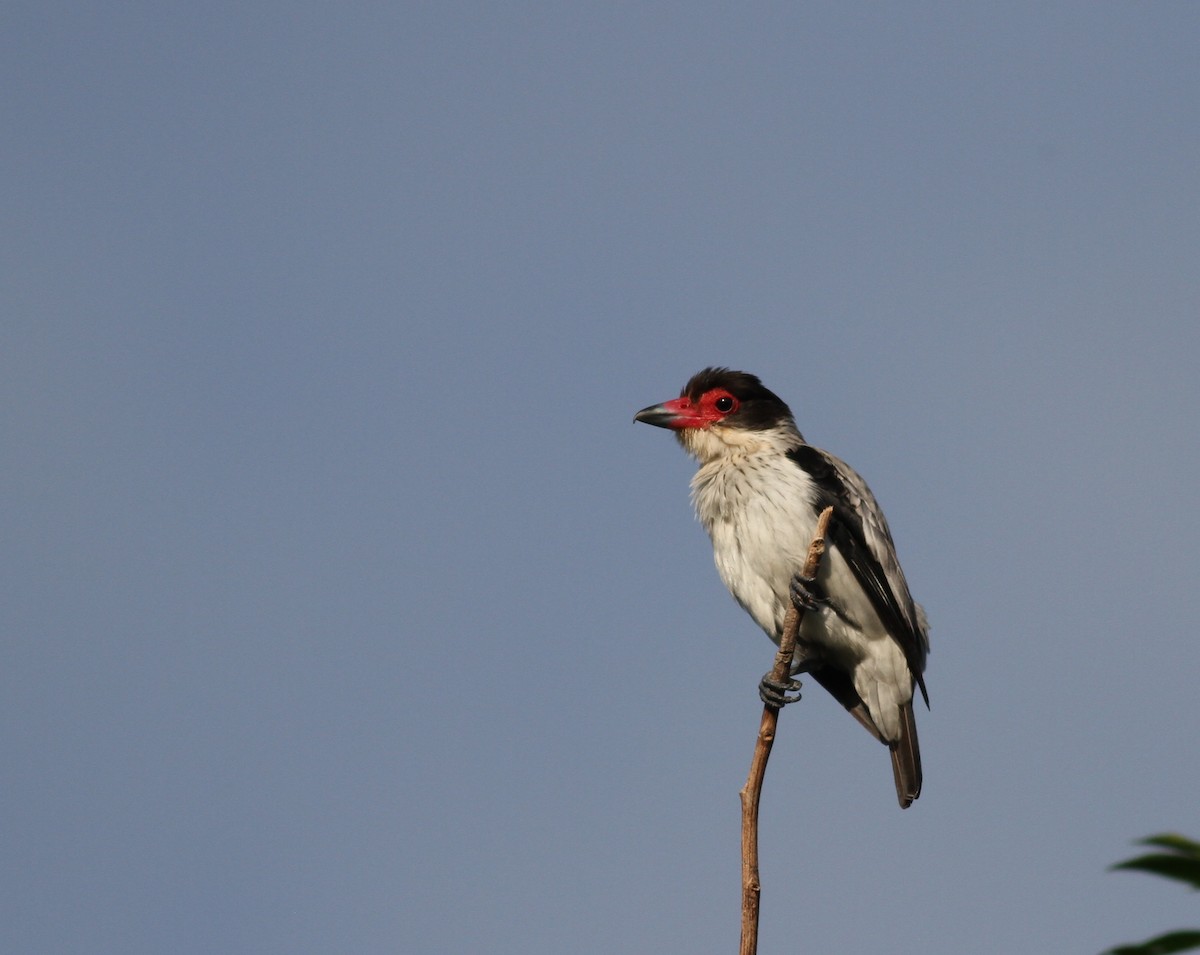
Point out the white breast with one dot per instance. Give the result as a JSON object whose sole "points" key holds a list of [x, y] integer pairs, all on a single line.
{"points": [[759, 509]]}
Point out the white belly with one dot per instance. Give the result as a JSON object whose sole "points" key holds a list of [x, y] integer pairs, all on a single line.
{"points": [[761, 521]]}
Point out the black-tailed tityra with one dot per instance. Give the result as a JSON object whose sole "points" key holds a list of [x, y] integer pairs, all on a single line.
{"points": [[758, 492]]}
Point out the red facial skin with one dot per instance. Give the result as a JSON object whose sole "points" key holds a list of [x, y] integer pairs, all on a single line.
{"points": [[713, 406]]}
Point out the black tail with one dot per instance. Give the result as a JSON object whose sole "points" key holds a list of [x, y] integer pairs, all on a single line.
{"points": [[906, 759]]}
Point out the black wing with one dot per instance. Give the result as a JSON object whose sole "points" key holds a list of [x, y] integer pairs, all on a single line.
{"points": [[861, 534]]}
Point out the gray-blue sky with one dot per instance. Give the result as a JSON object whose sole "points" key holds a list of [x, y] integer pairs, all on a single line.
{"points": [[346, 610]]}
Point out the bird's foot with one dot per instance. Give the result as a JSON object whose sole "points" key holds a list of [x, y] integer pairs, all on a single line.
{"points": [[805, 593], [775, 692]]}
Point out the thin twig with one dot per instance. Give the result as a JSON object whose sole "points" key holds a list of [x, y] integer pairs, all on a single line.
{"points": [[751, 887]]}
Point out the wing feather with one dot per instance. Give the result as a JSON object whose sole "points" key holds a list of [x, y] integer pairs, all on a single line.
{"points": [[861, 534]]}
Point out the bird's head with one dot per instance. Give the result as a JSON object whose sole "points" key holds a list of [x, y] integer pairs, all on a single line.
{"points": [[721, 409]]}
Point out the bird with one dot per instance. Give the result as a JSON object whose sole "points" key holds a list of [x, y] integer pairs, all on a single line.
{"points": [[758, 491]]}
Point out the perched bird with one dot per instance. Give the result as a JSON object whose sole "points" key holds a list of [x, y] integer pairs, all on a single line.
{"points": [[758, 492]]}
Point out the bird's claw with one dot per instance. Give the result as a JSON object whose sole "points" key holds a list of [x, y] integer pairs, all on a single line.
{"points": [[775, 692], [805, 593]]}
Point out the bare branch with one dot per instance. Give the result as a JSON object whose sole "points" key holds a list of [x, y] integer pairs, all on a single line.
{"points": [[751, 887]]}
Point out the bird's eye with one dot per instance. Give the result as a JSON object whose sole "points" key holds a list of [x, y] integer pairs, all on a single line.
{"points": [[724, 404]]}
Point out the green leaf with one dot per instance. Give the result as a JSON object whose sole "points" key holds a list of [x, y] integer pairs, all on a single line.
{"points": [[1163, 945], [1170, 840], [1181, 862]]}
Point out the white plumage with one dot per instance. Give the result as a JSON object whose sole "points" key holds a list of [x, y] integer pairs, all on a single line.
{"points": [[760, 510]]}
